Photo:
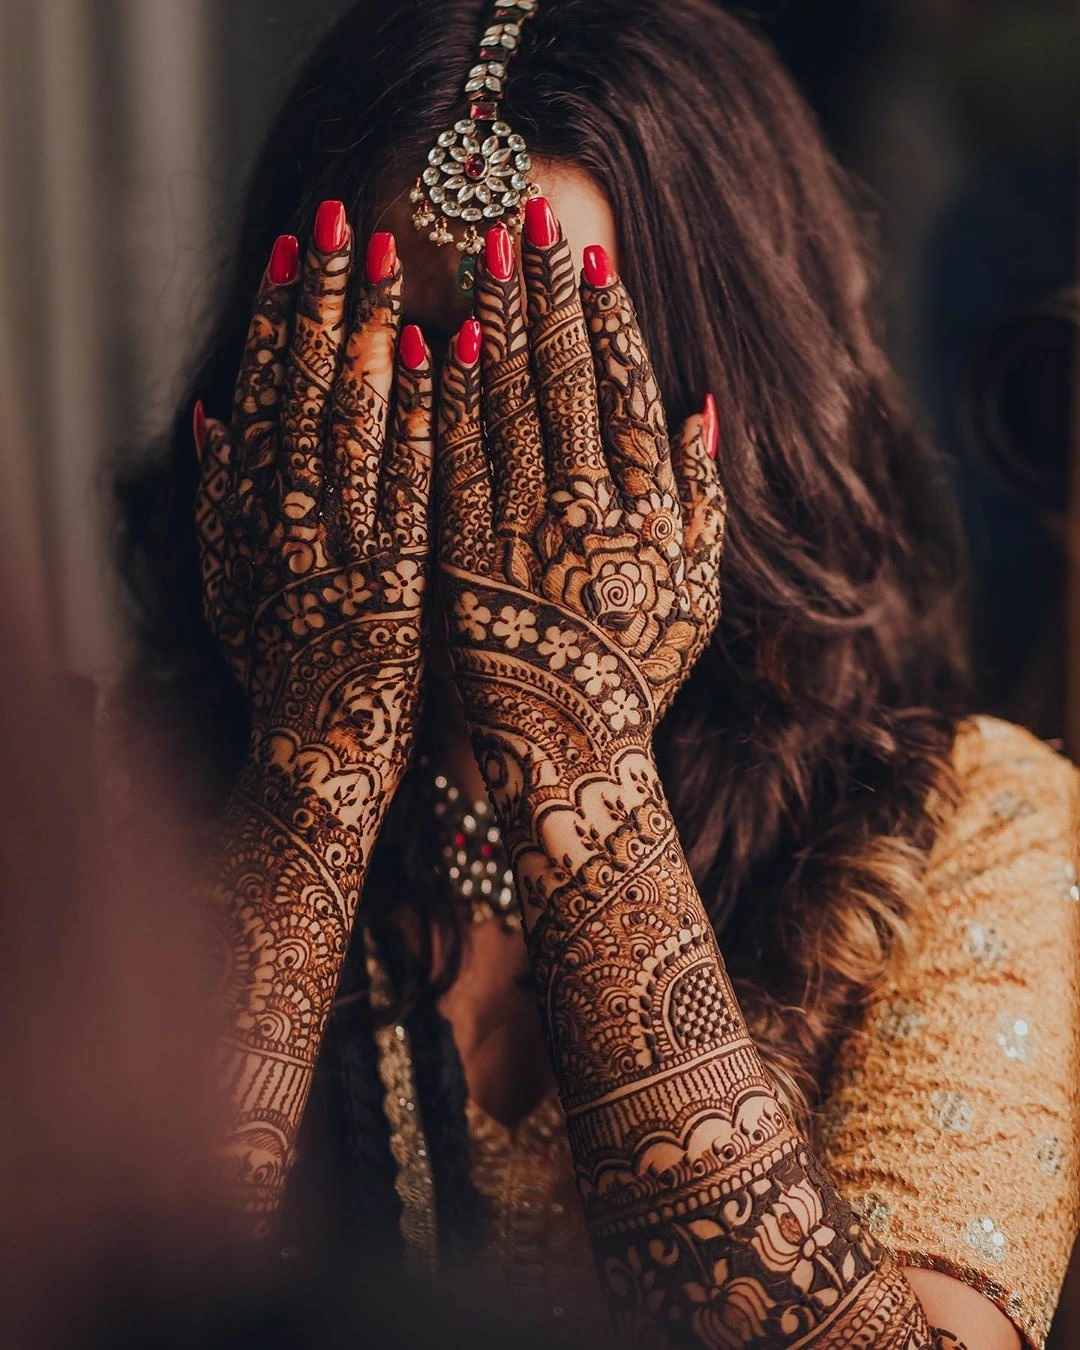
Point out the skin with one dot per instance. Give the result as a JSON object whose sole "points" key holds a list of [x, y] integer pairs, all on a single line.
{"points": [[579, 558]]}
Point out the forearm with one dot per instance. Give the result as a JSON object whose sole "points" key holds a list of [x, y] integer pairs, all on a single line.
{"points": [[709, 1214], [285, 879]]}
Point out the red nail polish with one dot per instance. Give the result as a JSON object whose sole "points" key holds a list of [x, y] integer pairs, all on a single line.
{"points": [[331, 227], [284, 264], [597, 267], [541, 227], [198, 426], [381, 257], [710, 426], [499, 253], [412, 347], [468, 342]]}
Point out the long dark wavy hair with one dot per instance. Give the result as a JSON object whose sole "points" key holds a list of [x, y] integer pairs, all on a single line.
{"points": [[807, 759]]}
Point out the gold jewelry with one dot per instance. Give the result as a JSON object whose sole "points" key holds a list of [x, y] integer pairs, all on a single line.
{"points": [[477, 170]]}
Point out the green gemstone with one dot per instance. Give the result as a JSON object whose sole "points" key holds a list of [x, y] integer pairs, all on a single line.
{"points": [[466, 274]]}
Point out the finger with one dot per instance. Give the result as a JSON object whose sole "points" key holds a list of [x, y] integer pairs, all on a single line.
{"points": [[562, 356], [407, 473], [361, 405], [704, 507], [312, 365], [257, 396], [631, 410], [511, 420], [215, 450], [463, 477]]}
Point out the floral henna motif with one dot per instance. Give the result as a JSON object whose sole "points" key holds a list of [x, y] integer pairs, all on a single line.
{"points": [[712, 1222], [313, 522]]}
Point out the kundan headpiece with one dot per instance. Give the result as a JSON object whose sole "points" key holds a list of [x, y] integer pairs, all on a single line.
{"points": [[477, 170]]}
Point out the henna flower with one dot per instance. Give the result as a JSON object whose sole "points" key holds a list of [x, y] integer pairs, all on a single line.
{"points": [[349, 591], [301, 612], [731, 1313], [404, 584], [588, 505], [790, 1234], [621, 709], [597, 672], [559, 646], [657, 518], [473, 616], [515, 626]]}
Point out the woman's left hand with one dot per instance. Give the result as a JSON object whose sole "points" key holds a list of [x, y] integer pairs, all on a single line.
{"points": [[580, 556]]}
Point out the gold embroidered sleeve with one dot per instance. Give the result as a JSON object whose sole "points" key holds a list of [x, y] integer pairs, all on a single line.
{"points": [[953, 1118]]}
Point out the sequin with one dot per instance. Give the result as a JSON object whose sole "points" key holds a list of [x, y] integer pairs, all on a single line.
{"points": [[1008, 806], [898, 1020], [986, 1238], [951, 1111], [986, 944], [1050, 1155], [1065, 879], [874, 1212], [1014, 1037]]}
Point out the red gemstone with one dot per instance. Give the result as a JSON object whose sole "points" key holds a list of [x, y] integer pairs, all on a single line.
{"points": [[482, 112], [475, 166], [486, 850], [459, 839]]}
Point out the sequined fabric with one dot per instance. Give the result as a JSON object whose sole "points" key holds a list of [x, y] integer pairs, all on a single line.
{"points": [[953, 1117], [537, 1247]]}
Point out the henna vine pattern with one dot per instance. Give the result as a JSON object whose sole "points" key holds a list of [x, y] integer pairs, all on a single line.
{"points": [[581, 576], [313, 526]]}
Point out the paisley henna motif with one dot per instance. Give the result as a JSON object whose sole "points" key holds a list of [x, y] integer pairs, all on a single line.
{"points": [[313, 523], [712, 1222]]}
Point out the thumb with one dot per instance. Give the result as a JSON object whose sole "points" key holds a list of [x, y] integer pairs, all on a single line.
{"points": [[693, 455]]}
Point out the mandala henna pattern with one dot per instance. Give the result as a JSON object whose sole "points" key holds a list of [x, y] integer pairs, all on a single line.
{"points": [[315, 547], [712, 1222]]}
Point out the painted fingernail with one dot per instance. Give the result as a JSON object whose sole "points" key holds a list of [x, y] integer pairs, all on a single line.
{"points": [[284, 265], [710, 426], [331, 227], [381, 257], [412, 347], [198, 426], [541, 227], [597, 267], [468, 342], [499, 253]]}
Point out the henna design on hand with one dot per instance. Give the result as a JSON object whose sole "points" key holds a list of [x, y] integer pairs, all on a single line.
{"points": [[711, 1220], [313, 525]]}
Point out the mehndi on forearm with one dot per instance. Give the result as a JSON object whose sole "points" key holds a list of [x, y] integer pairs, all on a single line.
{"points": [[285, 880], [710, 1217]]}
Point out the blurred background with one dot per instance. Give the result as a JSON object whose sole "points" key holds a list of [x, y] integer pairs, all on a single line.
{"points": [[126, 127]]}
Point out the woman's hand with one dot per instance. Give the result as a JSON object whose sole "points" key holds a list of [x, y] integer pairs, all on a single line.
{"points": [[312, 515], [582, 568]]}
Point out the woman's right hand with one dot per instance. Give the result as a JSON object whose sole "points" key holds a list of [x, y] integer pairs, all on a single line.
{"points": [[313, 522]]}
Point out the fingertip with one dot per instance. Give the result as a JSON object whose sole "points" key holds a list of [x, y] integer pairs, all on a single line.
{"points": [[597, 267], [331, 227], [710, 429], [381, 261], [198, 427], [467, 344], [284, 265], [412, 348]]}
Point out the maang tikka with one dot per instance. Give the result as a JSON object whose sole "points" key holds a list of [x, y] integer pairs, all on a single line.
{"points": [[477, 170]]}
